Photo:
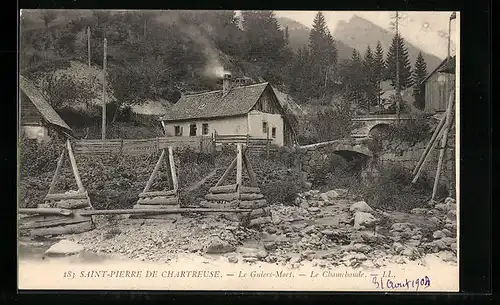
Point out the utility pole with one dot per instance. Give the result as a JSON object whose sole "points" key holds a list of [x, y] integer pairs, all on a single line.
{"points": [[88, 43], [103, 129], [398, 92]]}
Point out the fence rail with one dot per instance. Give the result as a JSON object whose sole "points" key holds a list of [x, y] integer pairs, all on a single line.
{"points": [[204, 144]]}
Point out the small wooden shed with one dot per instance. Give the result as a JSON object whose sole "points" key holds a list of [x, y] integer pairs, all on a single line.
{"points": [[438, 85]]}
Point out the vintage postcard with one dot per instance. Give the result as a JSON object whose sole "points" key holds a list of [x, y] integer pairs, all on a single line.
{"points": [[239, 150]]}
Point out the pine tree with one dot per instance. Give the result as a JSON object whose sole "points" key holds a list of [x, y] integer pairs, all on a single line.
{"points": [[419, 74], [323, 55], [354, 79], [369, 78], [379, 67], [287, 36], [405, 77]]}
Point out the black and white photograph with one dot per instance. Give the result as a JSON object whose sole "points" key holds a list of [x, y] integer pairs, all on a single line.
{"points": [[238, 150]]}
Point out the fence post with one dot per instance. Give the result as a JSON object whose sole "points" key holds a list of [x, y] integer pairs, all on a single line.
{"points": [[248, 140], [201, 144]]}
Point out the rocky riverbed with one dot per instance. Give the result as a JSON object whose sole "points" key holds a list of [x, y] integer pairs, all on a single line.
{"points": [[324, 229]]}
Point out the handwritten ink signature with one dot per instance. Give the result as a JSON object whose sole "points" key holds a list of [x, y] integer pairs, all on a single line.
{"points": [[383, 282]]}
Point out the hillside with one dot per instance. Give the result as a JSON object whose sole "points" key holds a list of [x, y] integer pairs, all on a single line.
{"points": [[299, 37], [359, 33]]}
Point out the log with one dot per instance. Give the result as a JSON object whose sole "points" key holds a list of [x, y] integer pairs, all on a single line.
{"points": [[251, 174], [231, 188], [254, 204], [173, 173], [51, 221], [248, 189], [260, 221], [155, 171], [427, 156], [46, 211], [158, 194], [62, 196], [67, 229], [74, 167], [251, 196], [73, 204], [159, 201], [56, 173], [430, 145], [226, 172], [221, 197], [162, 211], [154, 207], [444, 141]]}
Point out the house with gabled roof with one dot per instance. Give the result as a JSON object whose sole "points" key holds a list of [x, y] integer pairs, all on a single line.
{"points": [[237, 109], [438, 85], [37, 117]]}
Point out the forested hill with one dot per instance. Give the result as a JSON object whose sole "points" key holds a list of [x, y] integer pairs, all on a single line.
{"points": [[159, 55]]}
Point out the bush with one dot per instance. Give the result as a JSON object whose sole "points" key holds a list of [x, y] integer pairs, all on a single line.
{"points": [[412, 131], [393, 190], [36, 157], [284, 187]]}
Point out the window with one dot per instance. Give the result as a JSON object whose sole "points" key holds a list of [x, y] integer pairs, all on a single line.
{"points": [[178, 131], [192, 130], [264, 127], [273, 131], [204, 129]]}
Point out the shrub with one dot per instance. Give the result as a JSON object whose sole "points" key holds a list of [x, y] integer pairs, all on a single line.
{"points": [[392, 189], [284, 187], [412, 131], [36, 157]]}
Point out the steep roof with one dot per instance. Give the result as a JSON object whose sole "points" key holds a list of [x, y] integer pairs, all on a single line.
{"points": [[213, 104], [36, 97], [446, 66]]}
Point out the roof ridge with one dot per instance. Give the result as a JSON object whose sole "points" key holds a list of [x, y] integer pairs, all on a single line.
{"points": [[234, 88]]}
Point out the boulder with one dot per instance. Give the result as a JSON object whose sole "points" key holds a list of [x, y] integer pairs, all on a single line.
{"points": [[452, 215], [364, 219], [361, 206], [332, 194], [218, 246], [341, 193], [419, 211], [64, 247], [438, 234]]}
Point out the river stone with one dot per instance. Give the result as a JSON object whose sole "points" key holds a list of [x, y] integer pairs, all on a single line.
{"points": [[332, 194], [364, 219], [218, 246], [438, 234], [360, 206], [64, 247]]}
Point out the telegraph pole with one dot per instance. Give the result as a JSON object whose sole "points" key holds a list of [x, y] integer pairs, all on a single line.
{"points": [[398, 92], [103, 129], [88, 44]]}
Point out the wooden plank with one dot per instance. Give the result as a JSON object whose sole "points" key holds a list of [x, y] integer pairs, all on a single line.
{"points": [[51, 222], [444, 141], [173, 172], [427, 156], [154, 206], [60, 230], [230, 188], [252, 196], [253, 204], [221, 197], [74, 167], [56, 173], [61, 196], [219, 205], [226, 173], [248, 189], [46, 211], [155, 171], [158, 193], [251, 174], [260, 221], [159, 201], [73, 204]]}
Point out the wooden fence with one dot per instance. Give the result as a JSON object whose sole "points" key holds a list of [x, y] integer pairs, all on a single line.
{"points": [[204, 144], [142, 146]]}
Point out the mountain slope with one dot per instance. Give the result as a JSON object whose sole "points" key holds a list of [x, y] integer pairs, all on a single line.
{"points": [[359, 33], [299, 37]]}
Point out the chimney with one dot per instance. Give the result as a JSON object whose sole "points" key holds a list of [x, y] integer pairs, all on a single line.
{"points": [[226, 83]]}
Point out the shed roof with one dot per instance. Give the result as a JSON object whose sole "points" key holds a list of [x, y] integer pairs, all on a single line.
{"points": [[36, 97], [446, 66], [213, 104]]}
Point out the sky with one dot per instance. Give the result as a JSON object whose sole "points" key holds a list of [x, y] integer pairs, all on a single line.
{"points": [[426, 30]]}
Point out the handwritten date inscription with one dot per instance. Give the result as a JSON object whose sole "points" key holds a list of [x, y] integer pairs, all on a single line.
{"points": [[388, 282]]}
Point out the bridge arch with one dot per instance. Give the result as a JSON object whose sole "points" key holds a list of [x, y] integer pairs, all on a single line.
{"points": [[380, 130]]}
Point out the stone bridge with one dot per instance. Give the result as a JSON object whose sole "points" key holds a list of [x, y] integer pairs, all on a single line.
{"points": [[315, 156], [369, 124]]}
